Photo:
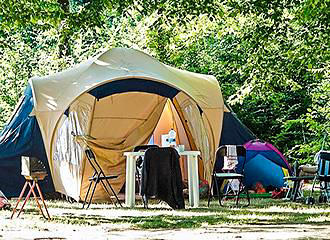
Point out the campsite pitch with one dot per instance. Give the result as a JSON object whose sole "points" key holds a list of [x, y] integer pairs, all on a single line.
{"points": [[264, 219]]}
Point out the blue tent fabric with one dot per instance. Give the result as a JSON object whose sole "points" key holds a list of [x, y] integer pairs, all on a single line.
{"points": [[21, 137], [270, 155], [263, 170], [234, 132]]}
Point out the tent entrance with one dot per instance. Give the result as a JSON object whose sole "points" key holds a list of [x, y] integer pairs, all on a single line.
{"points": [[118, 122], [170, 119]]}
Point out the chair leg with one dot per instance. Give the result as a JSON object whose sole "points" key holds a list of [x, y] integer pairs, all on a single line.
{"points": [[220, 195], [247, 196], [86, 196], [89, 188], [114, 193], [327, 191], [312, 192], [209, 193], [138, 180], [145, 201], [109, 194], [93, 191], [239, 191]]}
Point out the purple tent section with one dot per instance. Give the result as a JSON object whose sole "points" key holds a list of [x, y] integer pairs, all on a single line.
{"points": [[259, 145]]}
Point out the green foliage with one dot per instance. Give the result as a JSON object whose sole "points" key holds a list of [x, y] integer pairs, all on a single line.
{"points": [[270, 57]]}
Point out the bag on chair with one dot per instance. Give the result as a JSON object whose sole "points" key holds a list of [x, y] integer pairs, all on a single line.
{"points": [[4, 203]]}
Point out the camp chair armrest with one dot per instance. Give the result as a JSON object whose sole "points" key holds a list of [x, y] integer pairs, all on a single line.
{"points": [[229, 175]]}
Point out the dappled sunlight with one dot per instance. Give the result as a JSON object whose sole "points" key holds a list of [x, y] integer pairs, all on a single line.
{"points": [[280, 209], [318, 219], [257, 217], [269, 221], [101, 63]]}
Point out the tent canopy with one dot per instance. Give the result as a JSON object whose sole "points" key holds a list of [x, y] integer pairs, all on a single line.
{"points": [[118, 98]]}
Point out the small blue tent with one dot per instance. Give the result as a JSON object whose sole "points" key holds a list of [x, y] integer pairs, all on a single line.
{"points": [[265, 164], [21, 137]]}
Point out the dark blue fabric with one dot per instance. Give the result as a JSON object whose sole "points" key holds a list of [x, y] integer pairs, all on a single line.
{"points": [[133, 85], [233, 131], [21, 137]]}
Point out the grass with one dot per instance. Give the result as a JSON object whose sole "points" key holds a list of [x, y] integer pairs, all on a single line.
{"points": [[261, 212], [265, 211]]}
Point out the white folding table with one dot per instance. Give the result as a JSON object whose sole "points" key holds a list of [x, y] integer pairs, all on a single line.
{"points": [[193, 180]]}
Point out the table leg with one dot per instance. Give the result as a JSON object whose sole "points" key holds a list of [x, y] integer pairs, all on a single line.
{"points": [[296, 186], [130, 182], [193, 180]]}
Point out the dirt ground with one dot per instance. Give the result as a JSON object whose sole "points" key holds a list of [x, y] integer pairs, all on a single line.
{"points": [[106, 231], [68, 223]]}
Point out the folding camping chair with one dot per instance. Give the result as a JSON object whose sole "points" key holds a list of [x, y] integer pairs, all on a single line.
{"points": [[294, 184], [98, 177], [228, 155], [323, 176], [139, 162]]}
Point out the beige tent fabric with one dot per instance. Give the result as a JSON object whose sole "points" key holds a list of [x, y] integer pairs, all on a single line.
{"points": [[117, 130], [204, 130], [54, 94]]}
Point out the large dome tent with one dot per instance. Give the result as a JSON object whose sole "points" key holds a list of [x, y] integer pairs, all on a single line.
{"points": [[117, 98]]}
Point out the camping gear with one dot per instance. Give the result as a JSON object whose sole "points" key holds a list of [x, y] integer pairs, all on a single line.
{"points": [[294, 186], [4, 203], [307, 170], [232, 172], [323, 176], [161, 177], [98, 177], [123, 90], [32, 166], [265, 164], [259, 188], [32, 178], [278, 193], [171, 138]]}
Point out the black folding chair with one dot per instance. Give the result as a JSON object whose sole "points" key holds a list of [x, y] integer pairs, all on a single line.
{"points": [[98, 177], [235, 171], [139, 161]]}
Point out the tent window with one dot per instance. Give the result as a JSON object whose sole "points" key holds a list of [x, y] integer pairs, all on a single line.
{"points": [[134, 85]]}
